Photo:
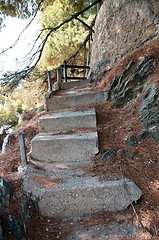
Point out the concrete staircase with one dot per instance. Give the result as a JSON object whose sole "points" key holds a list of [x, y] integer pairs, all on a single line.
{"points": [[73, 99], [65, 121], [61, 153]]}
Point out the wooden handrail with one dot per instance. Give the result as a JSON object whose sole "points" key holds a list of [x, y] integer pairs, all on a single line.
{"points": [[75, 78], [76, 66], [67, 62], [65, 77]]}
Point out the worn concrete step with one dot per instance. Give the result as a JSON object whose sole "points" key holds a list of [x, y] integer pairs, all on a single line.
{"points": [[73, 99], [72, 84], [65, 121], [66, 149], [70, 193]]}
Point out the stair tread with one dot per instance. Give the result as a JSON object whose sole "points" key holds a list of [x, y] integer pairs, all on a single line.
{"points": [[66, 121], [70, 193], [68, 114], [73, 99], [50, 136]]}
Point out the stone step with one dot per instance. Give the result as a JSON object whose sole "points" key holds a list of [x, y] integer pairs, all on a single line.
{"points": [[70, 193], [73, 99], [64, 149], [65, 121], [115, 228], [72, 84]]}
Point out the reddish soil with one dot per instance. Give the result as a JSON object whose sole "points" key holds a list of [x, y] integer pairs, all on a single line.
{"points": [[115, 127]]}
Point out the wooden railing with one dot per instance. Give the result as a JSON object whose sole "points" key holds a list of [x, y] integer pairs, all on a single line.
{"points": [[65, 75], [62, 73]]}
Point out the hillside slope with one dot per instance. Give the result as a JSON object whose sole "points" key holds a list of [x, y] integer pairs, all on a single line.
{"points": [[128, 128]]}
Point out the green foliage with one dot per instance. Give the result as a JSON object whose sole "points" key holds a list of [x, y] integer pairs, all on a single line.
{"points": [[26, 8], [17, 8], [19, 109], [64, 42], [39, 109], [28, 95], [60, 46], [8, 113]]}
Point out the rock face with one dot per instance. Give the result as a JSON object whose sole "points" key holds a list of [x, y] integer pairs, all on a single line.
{"points": [[134, 82], [122, 26], [149, 111], [14, 226], [131, 83], [9, 225], [4, 193], [2, 136], [1, 230], [108, 154], [118, 230]]}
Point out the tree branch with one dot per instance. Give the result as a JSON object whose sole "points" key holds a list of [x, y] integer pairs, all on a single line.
{"points": [[18, 76], [17, 40], [84, 24], [60, 25]]}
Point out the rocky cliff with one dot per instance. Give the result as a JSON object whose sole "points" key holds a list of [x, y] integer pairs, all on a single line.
{"points": [[121, 27]]}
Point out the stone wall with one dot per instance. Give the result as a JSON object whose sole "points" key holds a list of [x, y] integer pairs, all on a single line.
{"points": [[122, 26]]}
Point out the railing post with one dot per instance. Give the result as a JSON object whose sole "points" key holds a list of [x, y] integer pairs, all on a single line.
{"points": [[58, 75], [64, 71], [22, 149], [49, 81], [88, 55], [84, 62]]}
